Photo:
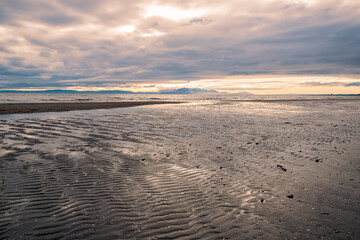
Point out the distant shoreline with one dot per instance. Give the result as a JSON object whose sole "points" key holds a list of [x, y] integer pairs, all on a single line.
{"points": [[13, 108]]}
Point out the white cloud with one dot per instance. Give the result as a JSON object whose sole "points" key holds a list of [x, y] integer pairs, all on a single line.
{"points": [[153, 34], [173, 13], [125, 29]]}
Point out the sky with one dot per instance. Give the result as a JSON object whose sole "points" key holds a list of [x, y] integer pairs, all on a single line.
{"points": [[257, 46]]}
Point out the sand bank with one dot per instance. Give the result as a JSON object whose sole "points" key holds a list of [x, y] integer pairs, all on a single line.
{"points": [[11, 108]]}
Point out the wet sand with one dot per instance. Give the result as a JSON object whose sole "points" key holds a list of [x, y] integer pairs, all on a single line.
{"points": [[12, 108], [227, 170]]}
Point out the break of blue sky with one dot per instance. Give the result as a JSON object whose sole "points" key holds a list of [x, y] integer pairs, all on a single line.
{"points": [[260, 46]]}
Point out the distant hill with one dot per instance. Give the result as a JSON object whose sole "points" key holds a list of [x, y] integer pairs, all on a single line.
{"points": [[70, 91], [187, 91], [168, 91]]}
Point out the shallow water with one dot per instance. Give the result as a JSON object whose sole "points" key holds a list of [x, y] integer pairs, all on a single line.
{"points": [[58, 97], [204, 170]]}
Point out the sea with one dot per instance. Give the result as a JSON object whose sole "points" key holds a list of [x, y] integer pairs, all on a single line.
{"points": [[78, 97]]}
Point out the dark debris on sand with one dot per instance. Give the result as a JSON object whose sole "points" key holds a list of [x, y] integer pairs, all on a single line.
{"points": [[281, 167]]}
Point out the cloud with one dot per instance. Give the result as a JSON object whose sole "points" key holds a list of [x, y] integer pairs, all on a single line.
{"points": [[9, 71], [47, 42], [353, 84], [316, 84]]}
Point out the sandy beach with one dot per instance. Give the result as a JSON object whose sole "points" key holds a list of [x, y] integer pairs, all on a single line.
{"points": [[12, 108], [225, 170]]}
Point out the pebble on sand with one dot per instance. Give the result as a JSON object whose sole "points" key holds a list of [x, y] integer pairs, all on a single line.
{"points": [[281, 167]]}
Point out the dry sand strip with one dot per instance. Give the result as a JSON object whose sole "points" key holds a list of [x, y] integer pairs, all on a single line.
{"points": [[12, 108]]}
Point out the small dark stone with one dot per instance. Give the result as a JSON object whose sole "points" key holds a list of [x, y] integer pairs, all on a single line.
{"points": [[143, 159], [262, 200], [221, 167], [290, 196], [287, 122], [317, 160], [281, 167], [257, 143]]}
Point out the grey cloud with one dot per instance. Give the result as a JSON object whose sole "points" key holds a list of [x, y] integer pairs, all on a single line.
{"points": [[21, 84], [19, 62], [202, 21], [11, 81], [249, 72], [17, 11], [4, 50], [9, 71], [353, 84], [176, 68], [58, 19], [76, 77], [82, 5], [7, 85], [316, 84]]}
